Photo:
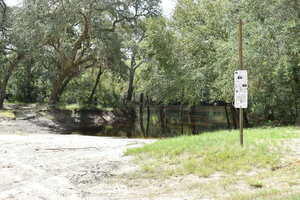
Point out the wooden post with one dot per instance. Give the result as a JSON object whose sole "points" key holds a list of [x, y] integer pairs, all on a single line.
{"points": [[241, 67], [181, 117]]}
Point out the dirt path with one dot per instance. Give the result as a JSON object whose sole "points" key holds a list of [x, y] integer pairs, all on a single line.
{"points": [[53, 167]]}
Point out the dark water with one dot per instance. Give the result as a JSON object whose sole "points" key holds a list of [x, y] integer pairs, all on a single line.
{"points": [[169, 121]]}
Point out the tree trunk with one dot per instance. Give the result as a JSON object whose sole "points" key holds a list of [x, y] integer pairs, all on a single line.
{"points": [[3, 91], [90, 100], [296, 89], [2, 96], [3, 84], [55, 94], [142, 113], [59, 85], [130, 84], [181, 111], [58, 88], [134, 96], [29, 85], [166, 122], [148, 116]]}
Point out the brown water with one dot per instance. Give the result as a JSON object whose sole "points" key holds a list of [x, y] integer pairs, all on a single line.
{"points": [[158, 121], [170, 121]]}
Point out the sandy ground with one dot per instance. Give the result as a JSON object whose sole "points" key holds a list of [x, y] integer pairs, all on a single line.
{"points": [[35, 164]]}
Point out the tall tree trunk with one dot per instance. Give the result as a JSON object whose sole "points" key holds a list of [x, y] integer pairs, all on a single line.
{"points": [[130, 84], [59, 85], [3, 90], [2, 95], [142, 113], [148, 116], [133, 67], [134, 96], [29, 85], [166, 122], [6, 76], [55, 95], [181, 111], [90, 100], [58, 88], [296, 89]]}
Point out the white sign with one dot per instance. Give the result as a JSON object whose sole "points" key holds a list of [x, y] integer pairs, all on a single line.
{"points": [[241, 89]]}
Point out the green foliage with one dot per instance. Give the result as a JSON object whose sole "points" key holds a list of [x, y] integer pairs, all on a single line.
{"points": [[68, 38], [107, 95], [189, 58], [194, 55]]}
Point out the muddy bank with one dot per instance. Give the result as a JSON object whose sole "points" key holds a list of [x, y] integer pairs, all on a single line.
{"points": [[70, 121], [153, 121]]}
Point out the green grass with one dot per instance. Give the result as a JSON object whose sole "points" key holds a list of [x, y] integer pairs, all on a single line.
{"points": [[222, 166], [211, 152], [81, 107], [15, 103], [296, 197], [7, 114], [267, 194]]}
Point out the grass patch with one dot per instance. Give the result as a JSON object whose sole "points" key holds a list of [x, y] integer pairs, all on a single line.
{"points": [[7, 114], [15, 103], [210, 152], [82, 107], [267, 194]]}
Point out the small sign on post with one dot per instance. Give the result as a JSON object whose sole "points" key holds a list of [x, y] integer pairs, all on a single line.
{"points": [[241, 89]]}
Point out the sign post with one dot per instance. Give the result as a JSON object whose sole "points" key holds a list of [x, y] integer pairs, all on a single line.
{"points": [[241, 96], [241, 85]]}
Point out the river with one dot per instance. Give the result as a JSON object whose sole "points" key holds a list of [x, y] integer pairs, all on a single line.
{"points": [[169, 121]]}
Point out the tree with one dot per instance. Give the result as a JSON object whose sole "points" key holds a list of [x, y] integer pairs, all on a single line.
{"points": [[157, 48], [13, 47], [3, 11], [74, 32], [133, 51], [196, 52]]}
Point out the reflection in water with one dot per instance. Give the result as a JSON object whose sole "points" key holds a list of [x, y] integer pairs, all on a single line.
{"points": [[170, 121]]}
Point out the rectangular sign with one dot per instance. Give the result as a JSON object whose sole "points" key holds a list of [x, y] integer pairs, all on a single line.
{"points": [[241, 89]]}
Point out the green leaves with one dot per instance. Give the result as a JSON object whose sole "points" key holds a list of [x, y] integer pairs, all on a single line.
{"points": [[196, 52]]}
